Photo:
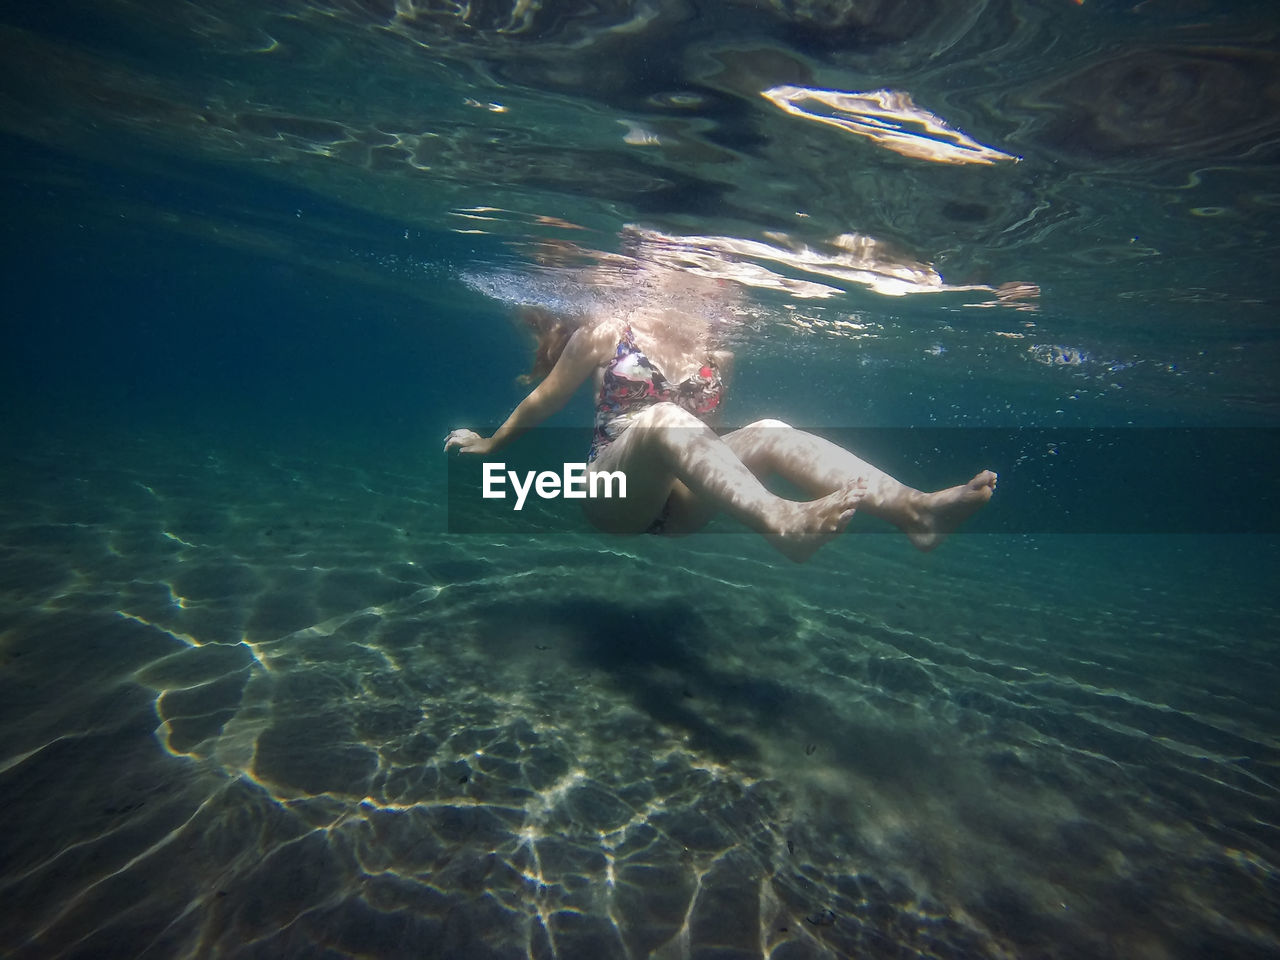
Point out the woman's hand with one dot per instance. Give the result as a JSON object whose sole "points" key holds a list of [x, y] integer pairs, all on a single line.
{"points": [[586, 350], [467, 441]]}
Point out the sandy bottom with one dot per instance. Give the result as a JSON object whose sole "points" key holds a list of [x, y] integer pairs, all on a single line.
{"points": [[254, 705]]}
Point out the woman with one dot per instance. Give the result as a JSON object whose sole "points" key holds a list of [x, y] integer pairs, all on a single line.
{"points": [[657, 384]]}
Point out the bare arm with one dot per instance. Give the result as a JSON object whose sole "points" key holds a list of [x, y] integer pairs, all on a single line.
{"points": [[586, 350]]}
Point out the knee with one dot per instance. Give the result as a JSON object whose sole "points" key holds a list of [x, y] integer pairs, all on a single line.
{"points": [[769, 424]]}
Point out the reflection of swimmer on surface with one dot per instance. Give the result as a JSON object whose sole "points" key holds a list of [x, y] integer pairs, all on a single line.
{"points": [[658, 383]]}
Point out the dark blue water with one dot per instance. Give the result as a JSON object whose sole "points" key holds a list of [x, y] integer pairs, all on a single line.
{"points": [[266, 691]]}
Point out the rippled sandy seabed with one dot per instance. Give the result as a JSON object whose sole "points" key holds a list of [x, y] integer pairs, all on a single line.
{"points": [[261, 709]]}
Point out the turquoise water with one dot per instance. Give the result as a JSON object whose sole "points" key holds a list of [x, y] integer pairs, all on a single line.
{"points": [[260, 695]]}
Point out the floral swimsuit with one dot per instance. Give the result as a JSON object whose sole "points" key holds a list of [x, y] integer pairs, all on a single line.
{"points": [[633, 383]]}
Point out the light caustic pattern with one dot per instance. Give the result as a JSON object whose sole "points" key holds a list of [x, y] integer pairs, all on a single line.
{"points": [[263, 709]]}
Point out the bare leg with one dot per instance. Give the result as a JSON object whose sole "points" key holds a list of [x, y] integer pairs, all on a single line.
{"points": [[818, 467], [666, 445]]}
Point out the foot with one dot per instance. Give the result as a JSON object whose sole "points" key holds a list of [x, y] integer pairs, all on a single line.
{"points": [[807, 526], [941, 513]]}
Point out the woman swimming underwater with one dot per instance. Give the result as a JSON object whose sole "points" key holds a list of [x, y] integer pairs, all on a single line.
{"points": [[658, 383]]}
